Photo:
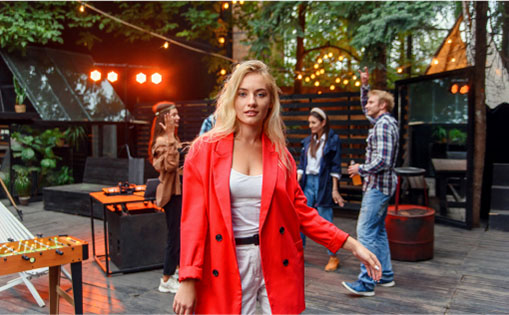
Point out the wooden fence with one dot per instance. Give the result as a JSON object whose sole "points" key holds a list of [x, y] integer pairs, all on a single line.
{"points": [[345, 115]]}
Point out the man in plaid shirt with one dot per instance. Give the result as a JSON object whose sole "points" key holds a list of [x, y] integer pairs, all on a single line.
{"points": [[379, 184]]}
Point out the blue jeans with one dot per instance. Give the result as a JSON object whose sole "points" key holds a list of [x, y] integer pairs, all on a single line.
{"points": [[311, 193], [372, 234]]}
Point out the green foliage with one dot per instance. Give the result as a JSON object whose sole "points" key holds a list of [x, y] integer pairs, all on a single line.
{"points": [[22, 181], [26, 22], [19, 90], [457, 136], [75, 135], [36, 151]]}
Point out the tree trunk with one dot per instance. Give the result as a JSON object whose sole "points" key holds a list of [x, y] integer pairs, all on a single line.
{"points": [[409, 55], [380, 72], [481, 9], [297, 84], [505, 33]]}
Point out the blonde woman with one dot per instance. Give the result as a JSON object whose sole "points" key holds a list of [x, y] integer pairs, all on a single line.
{"points": [[163, 151], [243, 209]]}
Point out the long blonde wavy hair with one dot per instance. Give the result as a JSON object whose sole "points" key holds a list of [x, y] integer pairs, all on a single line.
{"points": [[226, 116]]}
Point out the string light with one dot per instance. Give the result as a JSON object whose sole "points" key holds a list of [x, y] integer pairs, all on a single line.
{"points": [[316, 66], [341, 58], [313, 76], [141, 78], [156, 78], [330, 55], [306, 79], [82, 8], [95, 75], [325, 56], [357, 83], [354, 77], [241, 2], [338, 80], [222, 72], [317, 72], [226, 5], [234, 2], [453, 59], [319, 92], [435, 61], [320, 60], [166, 45], [345, 81], [332, 87], [221, 40], [400, 69], [112, 76], [449, 41], [299, 77], [454, 88], [464, 89], [317, 83], [322, 71]]}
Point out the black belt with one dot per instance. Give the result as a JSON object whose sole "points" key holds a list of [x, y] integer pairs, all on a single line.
{"points": [[255, 239]]}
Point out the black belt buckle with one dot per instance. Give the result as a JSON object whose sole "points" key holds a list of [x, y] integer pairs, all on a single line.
{"points": [[255, 239]]}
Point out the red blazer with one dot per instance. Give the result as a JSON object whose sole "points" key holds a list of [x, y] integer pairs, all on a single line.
{"points": [[207, 241]]}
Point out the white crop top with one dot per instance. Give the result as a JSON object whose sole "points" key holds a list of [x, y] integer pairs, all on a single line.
{"points": [[246, 196]]}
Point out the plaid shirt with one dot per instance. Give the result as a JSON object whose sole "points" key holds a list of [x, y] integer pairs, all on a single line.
{"points": [[381, 151]]}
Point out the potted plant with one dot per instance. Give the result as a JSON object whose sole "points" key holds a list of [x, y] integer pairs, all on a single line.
{"points": [[20, 91], [22, 183]]}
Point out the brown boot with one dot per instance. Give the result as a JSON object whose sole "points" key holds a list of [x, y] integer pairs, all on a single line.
{"points": [[333, 264]]}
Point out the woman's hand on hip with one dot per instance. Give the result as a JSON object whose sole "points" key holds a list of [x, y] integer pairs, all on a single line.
{"points": [[185, 299], [336, 197]]}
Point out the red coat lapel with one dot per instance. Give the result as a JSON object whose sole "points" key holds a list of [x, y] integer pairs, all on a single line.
{"points": [[270, 173], [221, 168]]}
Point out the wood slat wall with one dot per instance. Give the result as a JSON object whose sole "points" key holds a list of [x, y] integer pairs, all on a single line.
{"points": [[345, 115]]}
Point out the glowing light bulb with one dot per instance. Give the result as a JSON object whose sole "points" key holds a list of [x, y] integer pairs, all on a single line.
{"points": [[464, 89], [399, 70], [357, 83], [82, 8], [319, 92], [313, 76], [112, 76], [322, 71], [449, 41], [317, 83], [316, 66], [341, 58], [156, 78], [222, 72], [332, 87], [299, 77], [338, 80], [166, 45], [221, 40], [320, 60], [95, 75], [435, 61], [453, 59], [330, 55], [306, 79], [345, 81], [141, 78], [226, 5]]}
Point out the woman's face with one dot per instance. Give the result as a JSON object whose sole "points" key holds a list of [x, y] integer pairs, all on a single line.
{"points": [[173, 116], [252, 102], [316, 125]]}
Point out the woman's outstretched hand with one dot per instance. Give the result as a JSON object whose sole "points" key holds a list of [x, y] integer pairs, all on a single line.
{"points": [[168, 125], [369, 259], [185, 299]]}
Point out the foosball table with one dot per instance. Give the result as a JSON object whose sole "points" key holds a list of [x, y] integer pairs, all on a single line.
{"points": [[52, 252]]}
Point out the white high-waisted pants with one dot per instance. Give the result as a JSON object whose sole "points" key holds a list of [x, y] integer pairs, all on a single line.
{"points": [[253, 283]]}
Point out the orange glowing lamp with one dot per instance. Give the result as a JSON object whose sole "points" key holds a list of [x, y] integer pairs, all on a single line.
{"points": [[464, 89], [141, 78], [112, 76], [95, 75], [454, 88], [156, 78]]}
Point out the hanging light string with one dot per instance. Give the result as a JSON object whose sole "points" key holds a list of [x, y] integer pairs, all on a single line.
{"points": [[154, 34]]}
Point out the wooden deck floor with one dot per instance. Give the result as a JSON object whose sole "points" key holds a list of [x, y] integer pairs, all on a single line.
{"points": [[468, 274]]}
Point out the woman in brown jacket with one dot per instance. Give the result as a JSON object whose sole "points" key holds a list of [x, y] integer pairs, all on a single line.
{"points": [[164, 154]]}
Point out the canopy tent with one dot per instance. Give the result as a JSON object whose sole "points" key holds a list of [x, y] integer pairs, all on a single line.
{"points": [[452, 55], [58, 86]]}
